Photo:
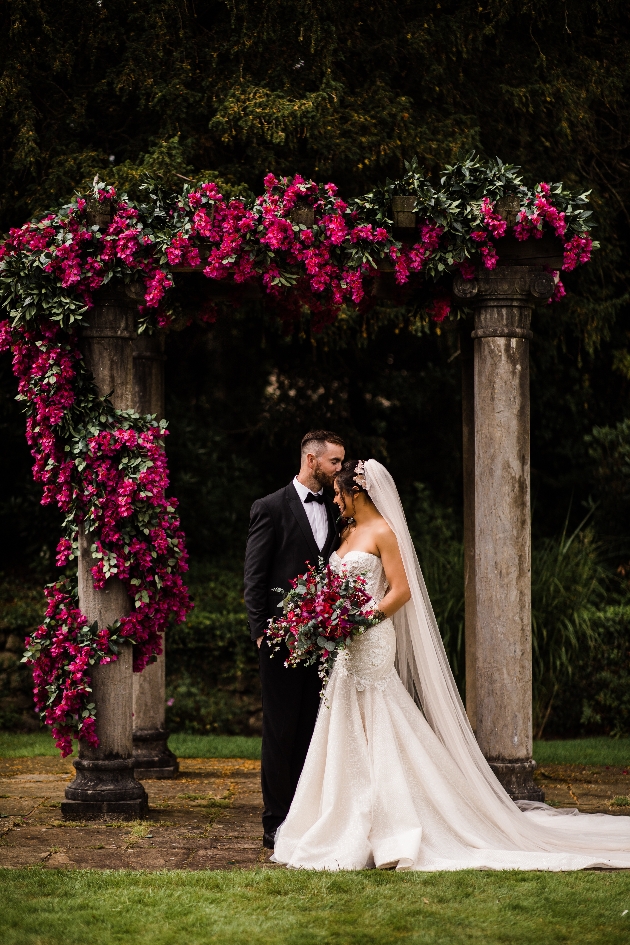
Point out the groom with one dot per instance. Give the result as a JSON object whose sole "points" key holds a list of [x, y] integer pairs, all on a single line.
{"points": [[288, 530]]}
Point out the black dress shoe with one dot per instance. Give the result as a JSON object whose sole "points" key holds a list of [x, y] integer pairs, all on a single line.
{"points": [[269, 839]]}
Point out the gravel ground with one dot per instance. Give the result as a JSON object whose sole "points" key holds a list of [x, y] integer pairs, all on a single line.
{"points": [[207, 818]]}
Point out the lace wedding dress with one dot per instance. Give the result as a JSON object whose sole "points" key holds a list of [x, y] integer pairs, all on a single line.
{"points": [[387, 784]]}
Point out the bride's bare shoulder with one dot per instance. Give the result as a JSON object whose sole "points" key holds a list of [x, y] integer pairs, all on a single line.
{"points": [[382, 532]]}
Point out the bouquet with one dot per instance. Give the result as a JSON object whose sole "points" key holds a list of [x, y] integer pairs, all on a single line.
{"points": [[321, 612]]}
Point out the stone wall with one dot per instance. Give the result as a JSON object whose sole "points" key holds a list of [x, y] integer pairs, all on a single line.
{"points": [[21, 609]]}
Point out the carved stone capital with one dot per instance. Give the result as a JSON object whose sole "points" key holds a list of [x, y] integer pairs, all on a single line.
{"points": [[464, 289], [505, 285], [503, 299]]}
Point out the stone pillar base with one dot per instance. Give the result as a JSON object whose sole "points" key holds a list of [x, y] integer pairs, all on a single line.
{"points": [[517, 777], [105, 810], [104, 788], [152, 758]]}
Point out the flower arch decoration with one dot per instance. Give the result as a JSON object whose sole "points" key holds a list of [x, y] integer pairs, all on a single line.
{"points": [[307, 250]]}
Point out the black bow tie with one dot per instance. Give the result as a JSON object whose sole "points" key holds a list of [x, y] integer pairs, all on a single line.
{"points": [[311, 497]]}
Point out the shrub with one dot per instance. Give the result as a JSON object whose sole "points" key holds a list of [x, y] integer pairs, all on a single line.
{"points": [[211, 663], [441, 555], [596, 698], [568, 585]]}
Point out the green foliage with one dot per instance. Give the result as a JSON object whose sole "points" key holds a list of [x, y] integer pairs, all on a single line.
{"points": [[606, 690], [212, 665], [21, 608], [260, 85], [299, 907], [568, 584], [441, 556], [336, 91], [166, 162], [609, 450], [596, 697]]}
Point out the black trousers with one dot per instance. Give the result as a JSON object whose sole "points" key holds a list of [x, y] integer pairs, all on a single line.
{"points": [[290, 700]]}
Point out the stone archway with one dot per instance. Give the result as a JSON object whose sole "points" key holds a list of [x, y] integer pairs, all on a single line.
{"points": [[497, 544]]}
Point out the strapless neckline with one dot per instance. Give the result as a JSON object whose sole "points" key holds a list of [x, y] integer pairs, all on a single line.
{"points": [[355, 552]]}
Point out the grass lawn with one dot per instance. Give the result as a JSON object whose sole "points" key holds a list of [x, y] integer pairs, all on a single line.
{"points": [[215, 746], [588, 751], [16, 745], [266, 907]]}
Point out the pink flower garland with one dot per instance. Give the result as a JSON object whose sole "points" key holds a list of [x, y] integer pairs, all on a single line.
{"points": [[314, 267], [112, 480], [530, 223], [114, 487], [317, 268]]}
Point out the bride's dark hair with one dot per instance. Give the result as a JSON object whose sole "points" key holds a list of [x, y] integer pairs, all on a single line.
{"points": [[345, 478]]}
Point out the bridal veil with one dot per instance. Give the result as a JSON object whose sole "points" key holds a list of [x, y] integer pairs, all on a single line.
{"points": [[424, 670]]}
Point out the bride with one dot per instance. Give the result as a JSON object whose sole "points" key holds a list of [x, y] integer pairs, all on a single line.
{"points": [[387, 784]]}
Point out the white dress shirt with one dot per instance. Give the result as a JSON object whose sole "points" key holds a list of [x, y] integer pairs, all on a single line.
{"points": [[315, 513]]}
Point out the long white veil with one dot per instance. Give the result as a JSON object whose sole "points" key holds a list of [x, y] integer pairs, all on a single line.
{"points": [[424, 669]]}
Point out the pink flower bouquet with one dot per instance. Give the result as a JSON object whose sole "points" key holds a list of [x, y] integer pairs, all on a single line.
{"points": [[320, 614]]}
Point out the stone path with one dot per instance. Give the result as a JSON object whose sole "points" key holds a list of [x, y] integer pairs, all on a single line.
{"points": [[208, 818], [591, 788]]}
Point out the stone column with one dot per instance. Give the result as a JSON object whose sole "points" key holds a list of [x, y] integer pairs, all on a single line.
{"points": [[152, 757], [104, 784], [503, 300], [468, 469]]}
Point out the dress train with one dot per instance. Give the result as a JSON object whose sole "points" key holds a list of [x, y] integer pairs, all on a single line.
{"points": [[379, 788]]}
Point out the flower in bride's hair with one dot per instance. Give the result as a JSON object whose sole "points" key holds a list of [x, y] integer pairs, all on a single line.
{"points": [[359, 475]]}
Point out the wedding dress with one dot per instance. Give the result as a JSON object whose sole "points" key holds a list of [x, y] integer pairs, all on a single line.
{"points": [[392, 785]]}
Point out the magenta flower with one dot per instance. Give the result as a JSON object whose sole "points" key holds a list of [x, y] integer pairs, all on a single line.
{"points": [[114, 482]]}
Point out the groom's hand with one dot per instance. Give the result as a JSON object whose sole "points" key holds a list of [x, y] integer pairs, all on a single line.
{"points": [[259, 640]]}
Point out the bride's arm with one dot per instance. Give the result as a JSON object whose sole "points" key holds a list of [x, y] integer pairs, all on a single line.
{"points": [[398, 593]]}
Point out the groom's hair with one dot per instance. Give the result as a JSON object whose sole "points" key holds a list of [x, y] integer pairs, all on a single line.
{"points": [[315, 441]]}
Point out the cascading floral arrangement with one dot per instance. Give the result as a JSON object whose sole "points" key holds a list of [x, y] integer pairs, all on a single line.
{"points": [[106, 471], [308, 250]]}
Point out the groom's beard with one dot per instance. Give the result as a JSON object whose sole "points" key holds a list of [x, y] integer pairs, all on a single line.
{"points": [[323, 478]]}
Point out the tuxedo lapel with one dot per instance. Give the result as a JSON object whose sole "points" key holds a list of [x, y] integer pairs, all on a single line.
{"points": [[300, 516], [331, 539]]}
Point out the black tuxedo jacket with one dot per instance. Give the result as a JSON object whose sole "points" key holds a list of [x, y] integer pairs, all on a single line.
{"points": [[280, 546]]}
